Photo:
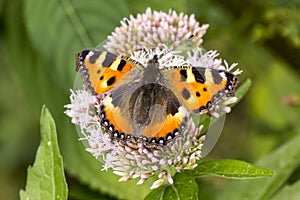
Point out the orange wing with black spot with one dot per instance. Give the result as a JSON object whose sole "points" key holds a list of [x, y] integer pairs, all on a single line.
{"points": [[200, 88], [101, 70]]}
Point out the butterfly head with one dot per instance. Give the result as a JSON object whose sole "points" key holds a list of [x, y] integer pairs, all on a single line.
{"points": [[154, 60]]}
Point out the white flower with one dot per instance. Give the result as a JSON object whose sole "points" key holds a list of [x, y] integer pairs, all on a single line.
{"points": [[153, 29]]}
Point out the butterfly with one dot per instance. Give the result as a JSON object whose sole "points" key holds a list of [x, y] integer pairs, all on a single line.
{"points": [[149, 102]]}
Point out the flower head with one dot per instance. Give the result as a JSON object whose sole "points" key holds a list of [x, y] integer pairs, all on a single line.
{"points": [[142, 38], [152, 29]]}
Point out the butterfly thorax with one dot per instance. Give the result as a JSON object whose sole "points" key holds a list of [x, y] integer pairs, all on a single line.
{"points": [[152, 72]]}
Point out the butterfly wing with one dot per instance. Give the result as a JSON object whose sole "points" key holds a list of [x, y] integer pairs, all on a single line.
{"points": [[199, 88], [101, 70]]}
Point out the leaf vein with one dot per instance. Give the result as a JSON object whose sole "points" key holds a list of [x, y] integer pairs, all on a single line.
{"points": [[78, 25]]}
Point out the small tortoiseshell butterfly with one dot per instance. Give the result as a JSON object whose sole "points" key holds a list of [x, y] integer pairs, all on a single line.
{"points": [[148, 102]]}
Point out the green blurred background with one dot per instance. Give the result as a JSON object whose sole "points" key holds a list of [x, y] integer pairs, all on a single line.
{"points": [[38, 43]]}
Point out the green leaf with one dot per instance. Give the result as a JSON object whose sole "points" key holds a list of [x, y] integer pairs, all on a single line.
{"points": [[61, 28], [243, 89], [46, 180], [291, 192], [234, 169], [184, 188], [17, 45], [283, 161], [157, 193]]}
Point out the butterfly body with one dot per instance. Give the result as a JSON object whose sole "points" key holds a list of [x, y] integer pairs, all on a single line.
{"points": [[148, 102]]}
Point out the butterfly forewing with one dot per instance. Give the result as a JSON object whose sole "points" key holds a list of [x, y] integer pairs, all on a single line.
{"points": [[199, 88], [101, 70]]}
